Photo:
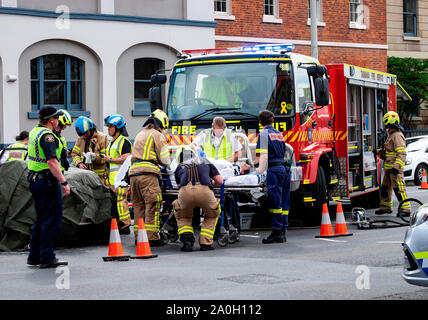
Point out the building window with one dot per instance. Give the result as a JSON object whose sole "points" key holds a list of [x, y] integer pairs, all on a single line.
{"points": [[144, 68], [56, 79], [223, 10], [409, 18], [319, 13], [271, 11], [356, 14], [220, 6]]}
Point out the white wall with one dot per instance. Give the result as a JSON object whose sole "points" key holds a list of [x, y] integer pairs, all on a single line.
{"points": [[107, 40]]}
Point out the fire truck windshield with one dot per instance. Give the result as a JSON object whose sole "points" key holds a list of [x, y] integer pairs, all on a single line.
{"points": [[232, 90]]}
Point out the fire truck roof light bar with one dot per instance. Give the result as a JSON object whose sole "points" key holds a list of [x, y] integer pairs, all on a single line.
{"points": [[256, 48]]}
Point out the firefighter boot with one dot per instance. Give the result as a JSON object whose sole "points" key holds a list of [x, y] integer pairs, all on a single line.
{"points": [[276, 236], [187, 239]]}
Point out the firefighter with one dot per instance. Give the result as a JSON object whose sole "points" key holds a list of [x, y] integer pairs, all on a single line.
{"points": [[90, 148], [271, 151], [64, 120], [394, 151], [45, 178], [118, 149], [150, 151], [195, 177], [18, 150], [218, 142]]}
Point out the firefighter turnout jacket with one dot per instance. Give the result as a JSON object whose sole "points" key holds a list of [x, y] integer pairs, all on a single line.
{"points": [[395, 151]]}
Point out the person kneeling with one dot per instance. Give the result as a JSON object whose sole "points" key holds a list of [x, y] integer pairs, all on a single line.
{"points": [[195, 177]]}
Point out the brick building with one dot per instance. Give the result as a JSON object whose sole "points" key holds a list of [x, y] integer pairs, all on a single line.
{"points": [[351, 31]]}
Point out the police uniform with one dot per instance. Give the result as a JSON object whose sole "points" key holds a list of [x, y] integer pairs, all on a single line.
{"points": [[115, 149], [149, 151], [195, 190], [46, 190], [63, 162], [272, 142]]}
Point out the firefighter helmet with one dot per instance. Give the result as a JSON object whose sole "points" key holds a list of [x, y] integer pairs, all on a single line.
{"points": [[116, 120], [65, 118], [159, 119], [83, 125], [391, 118]]}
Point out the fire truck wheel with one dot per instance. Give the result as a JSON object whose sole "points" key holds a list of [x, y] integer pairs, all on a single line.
{"points": [[319, 192]]}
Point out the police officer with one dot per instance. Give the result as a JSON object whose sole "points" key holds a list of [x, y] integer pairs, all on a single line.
{"points": [[394, 151], [150, 151], [195, 177], [46, 178], [64, 120], [118, 149], [90, 148], [218, 142], [271, 150], [18, 150]]}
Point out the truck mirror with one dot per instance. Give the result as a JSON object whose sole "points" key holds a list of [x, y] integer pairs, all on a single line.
{"points": [[158, 79], [155, 98], [321, 91]]}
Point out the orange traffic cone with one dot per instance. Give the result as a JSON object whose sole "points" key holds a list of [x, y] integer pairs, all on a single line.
{"points": [[143, 246], [424, 183], [340, 228], [326, 228], [115, 249]]}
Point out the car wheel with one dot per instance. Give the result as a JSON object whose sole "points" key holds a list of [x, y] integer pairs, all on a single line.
{"points": [[418, 173]]}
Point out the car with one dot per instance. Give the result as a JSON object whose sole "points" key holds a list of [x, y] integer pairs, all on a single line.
{"points": [[417, 159], [415, 247]]}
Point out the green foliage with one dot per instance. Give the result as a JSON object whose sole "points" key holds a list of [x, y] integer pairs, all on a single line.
{"points": [[413, 77]]}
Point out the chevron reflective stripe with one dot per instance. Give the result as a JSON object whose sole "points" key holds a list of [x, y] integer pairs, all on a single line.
{"points": [[185, 229], [400, 162], [207, 232], [275, 210]]}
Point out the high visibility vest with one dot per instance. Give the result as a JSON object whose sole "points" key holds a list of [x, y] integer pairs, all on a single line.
{"points": [[36, 157], [63, 147], [224, 150], [114, 150], [17, 154]]}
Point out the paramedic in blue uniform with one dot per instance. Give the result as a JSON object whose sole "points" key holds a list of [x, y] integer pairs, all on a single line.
{"points": [[46, 179], [270, 150]]}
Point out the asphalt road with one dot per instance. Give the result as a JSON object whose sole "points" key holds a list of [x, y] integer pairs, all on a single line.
{"points": [[364, 266]]}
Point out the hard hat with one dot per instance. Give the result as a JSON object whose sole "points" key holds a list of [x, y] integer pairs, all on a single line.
{"points": [[158, 118], [184, 154], [391, 118], [65, 118], [116, 120], [83, 125]]}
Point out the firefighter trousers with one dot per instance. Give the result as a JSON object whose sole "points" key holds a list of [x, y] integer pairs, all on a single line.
{"points": [[278, 187], [122, 206], [146, 196], [201, 196], [394, 182]]}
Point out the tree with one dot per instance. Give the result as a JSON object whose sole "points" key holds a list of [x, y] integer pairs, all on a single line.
{"points": [[413, 76]]}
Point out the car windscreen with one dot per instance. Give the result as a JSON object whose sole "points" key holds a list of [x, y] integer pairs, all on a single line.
{"points": [[238, 90]]}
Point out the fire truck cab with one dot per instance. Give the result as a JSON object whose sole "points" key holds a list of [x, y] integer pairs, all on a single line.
{"points": [[329, 115]]}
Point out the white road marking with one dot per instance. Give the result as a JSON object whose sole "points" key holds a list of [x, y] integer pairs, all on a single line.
{"points": [[332, 240], [391, 242], [249, 236]]}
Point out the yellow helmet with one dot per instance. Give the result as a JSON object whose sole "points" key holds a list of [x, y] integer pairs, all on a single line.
{"points": [[158, 118], [65, 118], [391, 118]]}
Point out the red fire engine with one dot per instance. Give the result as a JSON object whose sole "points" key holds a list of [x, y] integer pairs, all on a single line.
{"points": [[330, 115]]}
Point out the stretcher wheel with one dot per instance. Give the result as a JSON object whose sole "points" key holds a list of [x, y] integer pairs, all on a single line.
{"points": [[233, 236], [223, 240]]}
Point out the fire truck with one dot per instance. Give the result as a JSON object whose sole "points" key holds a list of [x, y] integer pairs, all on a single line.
{"points": [[330, 115]]}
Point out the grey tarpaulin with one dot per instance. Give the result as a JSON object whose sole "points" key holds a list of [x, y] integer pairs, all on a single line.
{"points": [[87, 211]]}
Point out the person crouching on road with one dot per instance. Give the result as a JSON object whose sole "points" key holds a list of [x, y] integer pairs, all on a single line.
{"points": [[393, 168], [46, 178], [195, 177], [118, 149], [90, 148], [149, 152], [271, 148]]}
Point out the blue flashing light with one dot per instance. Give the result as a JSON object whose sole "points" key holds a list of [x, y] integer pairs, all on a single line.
{"points": [[269, 47]]}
